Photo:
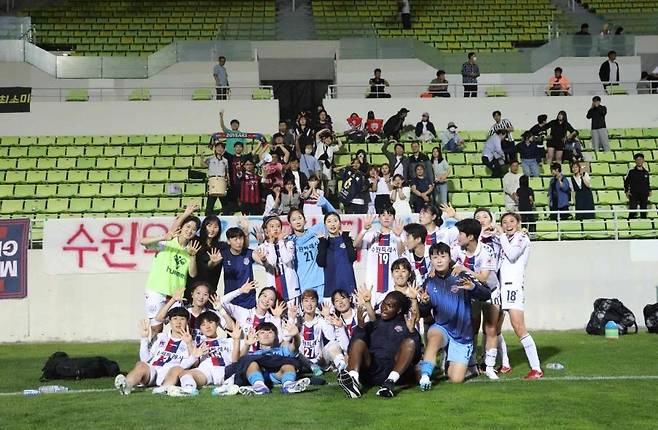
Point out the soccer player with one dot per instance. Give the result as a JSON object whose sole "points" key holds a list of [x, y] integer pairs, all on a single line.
{"points": [[336, 254], [439, 230], [237, 261], [384, 247], [417, 253], [515, 249], [271, 363], [343, 319], [479, 260], [174, 261], [381, 351], [279, 261], [167, 352], [448, 296]]}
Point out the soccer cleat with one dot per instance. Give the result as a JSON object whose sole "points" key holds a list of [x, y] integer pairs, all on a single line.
{"points": [[247, 391], [317, 370], [160, 390], [425, 383], [292, 387], [226, 390], [121, 384], [491, 373], [189, 391], [504, 370], [349, 385], [472, 372], [387, 389], [534, 374]]}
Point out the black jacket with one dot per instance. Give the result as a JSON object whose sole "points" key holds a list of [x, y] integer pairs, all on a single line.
{"points": [[604, 71], [303, 180], [597, 115], [321, 259], [430, 128], [636, 182], [393, 126]]}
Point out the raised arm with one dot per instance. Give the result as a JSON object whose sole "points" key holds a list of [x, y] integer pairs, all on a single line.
{"points": [[177, 297]]}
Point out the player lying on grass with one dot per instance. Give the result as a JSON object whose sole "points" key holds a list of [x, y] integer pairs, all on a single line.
{"points": [[212, 355], [272, 363], [448, 297], [167, 351], [382, 351]]}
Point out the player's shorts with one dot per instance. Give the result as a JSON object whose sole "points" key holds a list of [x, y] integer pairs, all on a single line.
{"points": [[153, 302], [271, 378], [214, 374], [457, 352], [512, 296], [158, 374], [495, 297]]}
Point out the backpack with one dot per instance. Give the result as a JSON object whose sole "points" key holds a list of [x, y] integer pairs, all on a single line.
{"points": [[651, 317], [61, 366], [610, 310]]}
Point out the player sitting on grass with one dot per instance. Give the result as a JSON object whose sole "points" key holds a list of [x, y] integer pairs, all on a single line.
{"points": [[272, 363], [449, 298], [343, 318], [381, 351], [212, 355], [417, 255], [168, 351]]}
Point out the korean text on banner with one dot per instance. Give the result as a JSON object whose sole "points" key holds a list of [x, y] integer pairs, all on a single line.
{"points": [[13, 258]]}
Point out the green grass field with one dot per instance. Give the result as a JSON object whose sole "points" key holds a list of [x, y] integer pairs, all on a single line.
{"points": [[605, 384]]}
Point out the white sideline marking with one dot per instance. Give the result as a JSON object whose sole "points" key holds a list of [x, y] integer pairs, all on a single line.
{"points": [[471, 381]]}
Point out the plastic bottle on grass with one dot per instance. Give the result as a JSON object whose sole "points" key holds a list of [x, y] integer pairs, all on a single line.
{"points": [[611, 330], [555, 366], [53, 389], [31, 393]]}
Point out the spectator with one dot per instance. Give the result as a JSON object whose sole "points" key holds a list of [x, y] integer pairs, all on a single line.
{"points": [[573, 148], [416, 158], [538, 131], [236, 165], [311, 195], [308, 164], [324, 121], [377, 86], [355, 128], [361, 154], [425, 131], [405, 13], [380, 193], [559, 193], [355, 189], [374, 128], [609, 70], [299, 178], [644, 84], [439, 85], [605, 30], [279, 147], [597, 114], [421, 189], [400, 195], [273, 201], [218, 166], [507, 143], [220, 75], [470, 74], [250, 195], [441, 171], [393, 125], [558, 84], [232, 134], [580, 184], [584, 30], [272, 169], [326, 147], [637, 187], [290, 197], [530, 154], [288, 137], [303, 134], [559, 128], [398, 162], [492, 155], [510, 185], [451, 140], [619, 31], [583, 43], [526, 203]]}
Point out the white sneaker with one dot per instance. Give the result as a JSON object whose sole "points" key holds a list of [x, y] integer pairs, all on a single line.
{"points": [[175, 391], [425, 383], [160, 390], [226, 390], [293, 387], [491, 373], [121, 384]]}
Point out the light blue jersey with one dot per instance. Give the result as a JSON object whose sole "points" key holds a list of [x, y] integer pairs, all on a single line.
{"points": [[306, 252]]}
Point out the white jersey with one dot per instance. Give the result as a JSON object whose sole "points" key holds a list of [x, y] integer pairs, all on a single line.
{"points": [[514, 254], [166, 352], [421, 268], [494, 243], [482, 259], [280, 272], [382, 252], [248, 319], [314, 334], [344, 334], [447, 235], [219, 353]]}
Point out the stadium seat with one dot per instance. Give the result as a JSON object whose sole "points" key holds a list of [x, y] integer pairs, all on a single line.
{"points": [[80, 95], [202, 94], [140, 94]]}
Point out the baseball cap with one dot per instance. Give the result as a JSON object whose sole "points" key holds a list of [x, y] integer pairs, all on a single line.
{"points": [[452, 124]]}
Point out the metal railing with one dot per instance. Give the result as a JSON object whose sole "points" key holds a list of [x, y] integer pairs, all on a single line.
{"points": [[96, 94], [490, 89]]}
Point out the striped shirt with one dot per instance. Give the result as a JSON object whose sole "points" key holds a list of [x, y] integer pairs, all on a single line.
{"points": [[504, 124]]}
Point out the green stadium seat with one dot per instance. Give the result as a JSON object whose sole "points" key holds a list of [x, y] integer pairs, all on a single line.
{"points": [[24, 191], [141, 94], [80, 95], [28, 163], [608, 197], [153, 190], [147, 204], [480, 199], [67, 190], [34, 206], [110, 190], [102, 205], [89, 190], [202, 94], [80, 205], [6, 191], [471, 184], [495, 91], [46, 190], [459, 200], [11, 207], [57, 205]]}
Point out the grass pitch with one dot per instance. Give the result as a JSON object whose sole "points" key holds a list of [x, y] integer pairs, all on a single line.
{"points": [[605, 385]]}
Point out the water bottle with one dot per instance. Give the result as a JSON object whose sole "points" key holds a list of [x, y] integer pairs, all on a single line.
{"points": [[31, 393], [611, 330], [53, 389], [555, 366]]}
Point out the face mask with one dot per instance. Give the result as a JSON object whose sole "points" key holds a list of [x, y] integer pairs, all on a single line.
{"points": [[452, 129]]}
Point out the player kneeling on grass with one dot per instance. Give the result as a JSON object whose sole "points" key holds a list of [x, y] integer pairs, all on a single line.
{"points": [[212, 355], [449, 298], [383, 350], [271, 363], [168, 351]]}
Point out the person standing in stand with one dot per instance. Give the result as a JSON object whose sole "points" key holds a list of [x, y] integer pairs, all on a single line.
{"points": [[637, 187], [220, 75], [597, 114], [470, 74]]}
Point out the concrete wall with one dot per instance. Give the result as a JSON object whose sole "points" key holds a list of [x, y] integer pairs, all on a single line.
{"points": [[564, 278]]}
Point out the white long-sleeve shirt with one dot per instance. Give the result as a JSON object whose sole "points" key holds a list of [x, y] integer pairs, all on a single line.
{"points": [[280, 270], [166, 351], [514, 254]]}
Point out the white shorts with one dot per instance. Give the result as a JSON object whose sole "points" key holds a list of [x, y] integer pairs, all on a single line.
{"points": [[158, 375], [214, 374], [153, 302], [495, 297], [511, 295]]}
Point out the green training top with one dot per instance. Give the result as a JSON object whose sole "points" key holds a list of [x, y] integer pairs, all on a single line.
{"points": [[169, 270]]}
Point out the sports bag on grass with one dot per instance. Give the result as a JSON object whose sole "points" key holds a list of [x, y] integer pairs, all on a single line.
{"points": [[651, 317], [610, 310], [61, 366]]}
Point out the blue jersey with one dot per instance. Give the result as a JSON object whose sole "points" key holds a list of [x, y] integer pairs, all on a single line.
{"points": [[452, 311], [339, 270], [306, 253], [280, 351], [238, 269]]}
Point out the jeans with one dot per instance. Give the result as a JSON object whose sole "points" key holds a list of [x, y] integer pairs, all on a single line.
{"points": [[494, 165], [635, 202], [451, 145], [440, 193], [530, 167]]}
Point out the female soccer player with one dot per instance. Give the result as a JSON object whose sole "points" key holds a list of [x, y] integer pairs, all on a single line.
{"points": [[336, 254]]}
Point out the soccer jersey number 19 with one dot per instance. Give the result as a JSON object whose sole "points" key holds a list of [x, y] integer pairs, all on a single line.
{"points": [[381, 254]]}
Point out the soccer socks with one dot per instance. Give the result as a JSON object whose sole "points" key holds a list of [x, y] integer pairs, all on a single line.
{"points": [[339, 362], [490, 358], [355, 375], [288, 377], [531, 351], [426, 368], [187, 381], [393, 376], [255, 378], [502, 351]]}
